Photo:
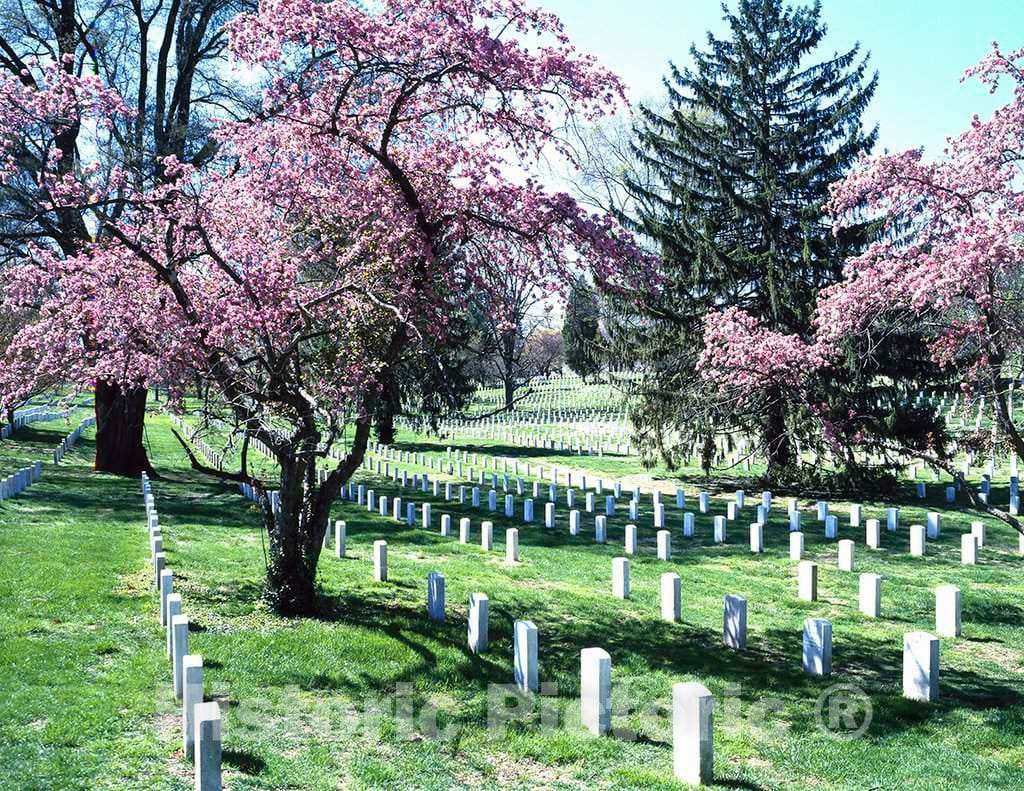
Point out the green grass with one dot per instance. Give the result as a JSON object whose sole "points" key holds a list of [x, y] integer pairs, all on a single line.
{"points": [[309, 703]]}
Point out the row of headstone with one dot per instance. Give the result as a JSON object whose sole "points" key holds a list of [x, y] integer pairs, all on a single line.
{"points": [[71, 439], [215, 458], [200, 722], [18, 481], [24, 417], [918, 533]]}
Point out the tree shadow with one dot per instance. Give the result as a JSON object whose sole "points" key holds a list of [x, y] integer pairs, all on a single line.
{"points": [[244, 761]]}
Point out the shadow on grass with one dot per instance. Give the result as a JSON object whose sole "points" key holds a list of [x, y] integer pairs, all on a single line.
{"points": [[247, 762], [768, 669]]}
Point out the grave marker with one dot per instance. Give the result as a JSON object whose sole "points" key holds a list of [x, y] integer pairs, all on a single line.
{"points": [[671, 597], [380, 560], [870, 595], [435, 596], [479, 606], [735, 622], [525, 655], [596, 690], [807, 580], [692, 733], [817, 660], [947, 611], [207, 749], [921, 667], [620, 578]]}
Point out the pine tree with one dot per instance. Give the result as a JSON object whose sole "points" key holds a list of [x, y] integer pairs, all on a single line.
{"points": [[580, 330], [754, 134]]}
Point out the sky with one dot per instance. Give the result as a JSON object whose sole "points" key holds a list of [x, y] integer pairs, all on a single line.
{"points": [[919, 47]]}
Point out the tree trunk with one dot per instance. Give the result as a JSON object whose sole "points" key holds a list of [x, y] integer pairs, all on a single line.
{"points": [[510, 392], [120, 419], [296, 536], [778, 447], [386, 408], [386, 427], [291, 575], [508, 368]]}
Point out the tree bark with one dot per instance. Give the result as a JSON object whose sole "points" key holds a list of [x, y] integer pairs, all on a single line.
{"points": [[297, 531], [510, 392], [387, 406], [120, 420], [295, 542], [778, 447]]}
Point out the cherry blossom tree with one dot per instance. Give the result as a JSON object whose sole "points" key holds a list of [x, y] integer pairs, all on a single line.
{"points": [[167, 61], [342, 226], [949, 261]]}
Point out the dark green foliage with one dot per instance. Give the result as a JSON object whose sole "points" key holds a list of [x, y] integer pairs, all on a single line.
{"points": [[581, 330], [753, 136]]}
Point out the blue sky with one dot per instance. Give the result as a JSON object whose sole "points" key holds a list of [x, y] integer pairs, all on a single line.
{"points": [[919, 47]]}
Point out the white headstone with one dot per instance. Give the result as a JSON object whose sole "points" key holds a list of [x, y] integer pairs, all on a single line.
{"points": [[173, 608], [873, 533], [511, 546], [664, 545], [435, 596], [757, 537], [620, 578], [968, 549], [525, 655], [947, 611], [631, 539], [478, 622], [735, 622], [796, 546], [166, 589], [380, 560], [692, 733], [207, 749], [192, 694], [179, 648], [846, 555], [807, 580], [921, 667], [917, 540], [596, 690], [817, 647], [892, 518], [870, 598], [720, 533], [671, 597]]}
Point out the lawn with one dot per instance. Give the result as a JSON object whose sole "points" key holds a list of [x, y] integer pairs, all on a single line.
{"points": [[310, 703]]}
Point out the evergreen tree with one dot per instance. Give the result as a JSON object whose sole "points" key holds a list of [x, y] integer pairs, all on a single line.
{"points": [[580, 330], [754, 134]]}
